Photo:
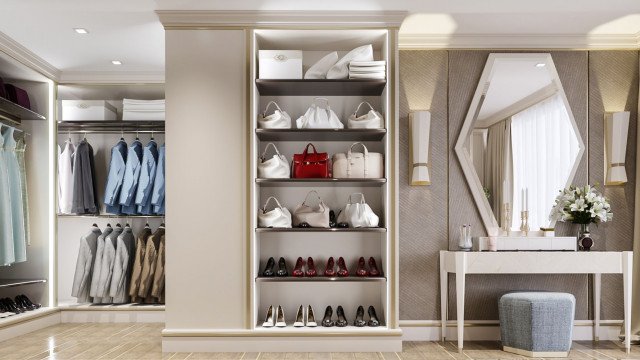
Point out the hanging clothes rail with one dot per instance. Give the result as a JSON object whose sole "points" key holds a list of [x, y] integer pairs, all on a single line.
{"points": [[111, 127]]}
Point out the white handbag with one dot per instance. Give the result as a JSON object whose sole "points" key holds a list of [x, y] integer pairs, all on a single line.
{"points": [[319, 118], [364, 165], [279, 217], [341, 69], [358, 214], [371, 120], [277, 167], [278, 120], [320, 68], [315, 216]]}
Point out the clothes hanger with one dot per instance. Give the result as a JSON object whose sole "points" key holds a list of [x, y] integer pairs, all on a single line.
{"points": [[121, 135], [147, 224], [152, 139], [137, 138]]}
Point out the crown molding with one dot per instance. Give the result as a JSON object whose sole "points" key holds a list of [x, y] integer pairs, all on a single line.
{"points": [[177, 19], [26, 57], [523, 41], [112, 77]]}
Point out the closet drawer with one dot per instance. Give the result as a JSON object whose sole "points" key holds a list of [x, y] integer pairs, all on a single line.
{"points": [[87, 110]]}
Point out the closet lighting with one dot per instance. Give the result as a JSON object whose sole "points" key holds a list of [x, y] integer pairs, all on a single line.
{"points": [[419, 129], [116, 62], [541, 65], [616, 129], [81, 30]]}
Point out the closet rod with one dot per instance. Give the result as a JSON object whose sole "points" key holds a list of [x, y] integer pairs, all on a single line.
{"points": [[64, 131], [13, 124]]}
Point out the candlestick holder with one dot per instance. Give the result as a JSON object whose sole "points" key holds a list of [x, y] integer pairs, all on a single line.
{"points": [[524, 225], [506, 218]]}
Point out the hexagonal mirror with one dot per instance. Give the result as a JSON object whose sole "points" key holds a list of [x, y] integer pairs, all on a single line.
{"points": [[519, 144]]}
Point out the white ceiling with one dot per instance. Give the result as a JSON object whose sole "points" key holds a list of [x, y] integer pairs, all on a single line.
{"points": [[129, 30]]}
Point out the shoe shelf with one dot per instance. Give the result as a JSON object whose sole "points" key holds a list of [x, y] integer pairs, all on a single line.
{"points": [[17, 113], [320, 182], [328, 230], [320, 87], [5, 283], [321, 330], [321, 134], [377, 279]]}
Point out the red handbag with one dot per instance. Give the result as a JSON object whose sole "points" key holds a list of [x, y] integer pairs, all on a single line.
{"points": [[310, 165]]}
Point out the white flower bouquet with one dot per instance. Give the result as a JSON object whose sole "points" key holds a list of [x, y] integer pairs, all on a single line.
{"points": [[581, 205]]}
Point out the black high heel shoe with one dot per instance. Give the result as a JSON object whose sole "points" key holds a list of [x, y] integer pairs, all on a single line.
{"points": [[28, 301], [326, 321], [342, 320], [373, 322], [268, 270], [19, 300], [359, 321], [282, 268]]}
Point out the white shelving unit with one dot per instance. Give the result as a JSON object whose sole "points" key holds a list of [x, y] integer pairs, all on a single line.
{"points": [[294, 97]]}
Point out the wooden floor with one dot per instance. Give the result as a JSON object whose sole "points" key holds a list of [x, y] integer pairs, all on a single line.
{"points": [[143, 341]]}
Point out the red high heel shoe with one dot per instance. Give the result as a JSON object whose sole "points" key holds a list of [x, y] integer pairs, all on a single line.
{"points": [[297, 271], [328, 271], [342, 268], [311, 268], [373, 268], [361, 271]]}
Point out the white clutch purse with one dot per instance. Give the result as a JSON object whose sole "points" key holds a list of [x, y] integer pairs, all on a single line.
{"points": [[277, 167], [278, 120], [279, 217], [358, 214], [318, 118], [315, 216], [341, 69], [364, 165], [371, 120]]}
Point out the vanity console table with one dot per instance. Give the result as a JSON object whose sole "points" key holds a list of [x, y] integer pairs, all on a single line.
{"points": [[542, 262]]}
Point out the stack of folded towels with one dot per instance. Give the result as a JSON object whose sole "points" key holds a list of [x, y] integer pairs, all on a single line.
{"points": [[142, 109], [367, 70]]}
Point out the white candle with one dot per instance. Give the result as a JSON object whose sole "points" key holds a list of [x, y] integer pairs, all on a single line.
{"points": [[526, 198], [522, 200], [505, 192]]}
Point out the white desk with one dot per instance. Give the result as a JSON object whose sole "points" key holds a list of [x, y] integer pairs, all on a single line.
{"points": [[539, 262]]}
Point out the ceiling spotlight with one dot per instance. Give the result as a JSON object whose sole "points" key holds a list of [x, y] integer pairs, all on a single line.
{"points": [[116, 62], [540, 65], [81, 30]]}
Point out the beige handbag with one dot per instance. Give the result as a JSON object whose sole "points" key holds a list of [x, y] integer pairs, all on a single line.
{"points": [[358, 214], [371, 120], [279, 217], [278, 120], [364, 165], [315, 216], [277, 167]]}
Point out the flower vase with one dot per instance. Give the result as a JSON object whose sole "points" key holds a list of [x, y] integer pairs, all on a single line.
{"points": [[585, 241]]}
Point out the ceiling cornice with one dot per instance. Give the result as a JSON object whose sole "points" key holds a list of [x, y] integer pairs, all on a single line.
{"points": [[175, 19], [27, 57], [112, 77], [520, 41]]}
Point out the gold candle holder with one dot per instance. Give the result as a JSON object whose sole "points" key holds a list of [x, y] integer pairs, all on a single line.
{"points": [[524, 225]]}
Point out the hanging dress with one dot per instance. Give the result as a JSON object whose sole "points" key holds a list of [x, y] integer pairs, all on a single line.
{"points": [[15, 193], [20, 153], [7, 255]]}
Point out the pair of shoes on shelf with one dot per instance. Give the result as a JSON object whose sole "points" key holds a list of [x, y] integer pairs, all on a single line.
{"points": [[311, 268], [373, 317], [305, 317], [24, 302], [282, 268], [329, 270], [274, 318], [6, 309], [373, 268], [11, 306], [328, 321]]}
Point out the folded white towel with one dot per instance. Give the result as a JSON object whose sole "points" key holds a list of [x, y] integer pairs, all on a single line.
{"points": [[368, 63], [373, 76], [340, 69]]}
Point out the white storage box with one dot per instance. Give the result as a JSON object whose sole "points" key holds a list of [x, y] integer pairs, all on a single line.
{"points": [[87, 110], [280, 64], [143, 110]]}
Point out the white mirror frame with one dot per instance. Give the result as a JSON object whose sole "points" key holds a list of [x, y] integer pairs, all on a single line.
{"points": [[484, 208]]}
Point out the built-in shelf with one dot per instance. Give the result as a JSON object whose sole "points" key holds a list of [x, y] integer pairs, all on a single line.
{"points": [[114, 126], [111, 216], [321, 134], [320, 182], [329, 230], [5, 283], [321, 279], [320, 87], [17, 113], [290, 330], [112, 307]]}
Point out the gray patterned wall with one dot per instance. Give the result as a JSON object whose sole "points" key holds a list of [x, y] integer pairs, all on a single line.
{"points": [[444, 82]]}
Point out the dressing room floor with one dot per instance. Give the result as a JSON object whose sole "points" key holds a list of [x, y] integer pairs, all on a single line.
{"points": [[142, 341]]}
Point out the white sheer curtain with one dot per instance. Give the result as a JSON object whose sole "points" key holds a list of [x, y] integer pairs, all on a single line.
{"points": [[544, 150]]}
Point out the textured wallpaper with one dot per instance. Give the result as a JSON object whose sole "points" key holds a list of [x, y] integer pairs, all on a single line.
{"points": [[444, 81]]}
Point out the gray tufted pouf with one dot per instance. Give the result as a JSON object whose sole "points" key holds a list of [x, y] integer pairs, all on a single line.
{"points": [[537, 324]]}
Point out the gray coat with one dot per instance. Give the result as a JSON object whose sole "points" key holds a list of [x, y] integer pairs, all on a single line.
{"points": [[84, 265], [106, 268], [97, 265], [85, 195], [125, 251]]}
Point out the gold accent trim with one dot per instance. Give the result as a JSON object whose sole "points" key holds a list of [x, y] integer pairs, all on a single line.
{"points": [[167, 333], [18, 320], [415, 165], [616, 165]]}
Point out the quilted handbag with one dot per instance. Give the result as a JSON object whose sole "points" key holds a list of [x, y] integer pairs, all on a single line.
{"points": [[311, 165], [318, 118], [364, 165], [315, 216], [18, 96], [358, 214], [277, 167], [278, 217], [371, 120], [278, 120]]}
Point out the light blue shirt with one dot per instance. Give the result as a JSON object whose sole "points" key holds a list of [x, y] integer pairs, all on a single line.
{"points": [[147, 178], [157, 196], [131, 177], [117, 167]]}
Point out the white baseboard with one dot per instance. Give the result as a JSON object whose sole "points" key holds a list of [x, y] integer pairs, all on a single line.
{"points": [[429, 330], [112, 314], [28, 322]]}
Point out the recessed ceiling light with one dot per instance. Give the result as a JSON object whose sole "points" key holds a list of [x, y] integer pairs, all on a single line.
{"points": [[116, 62], [541, 65], [81, 30]]}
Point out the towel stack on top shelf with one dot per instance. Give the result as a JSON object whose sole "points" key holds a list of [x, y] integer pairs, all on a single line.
{"points": [[367, 70], [142, 110]]}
